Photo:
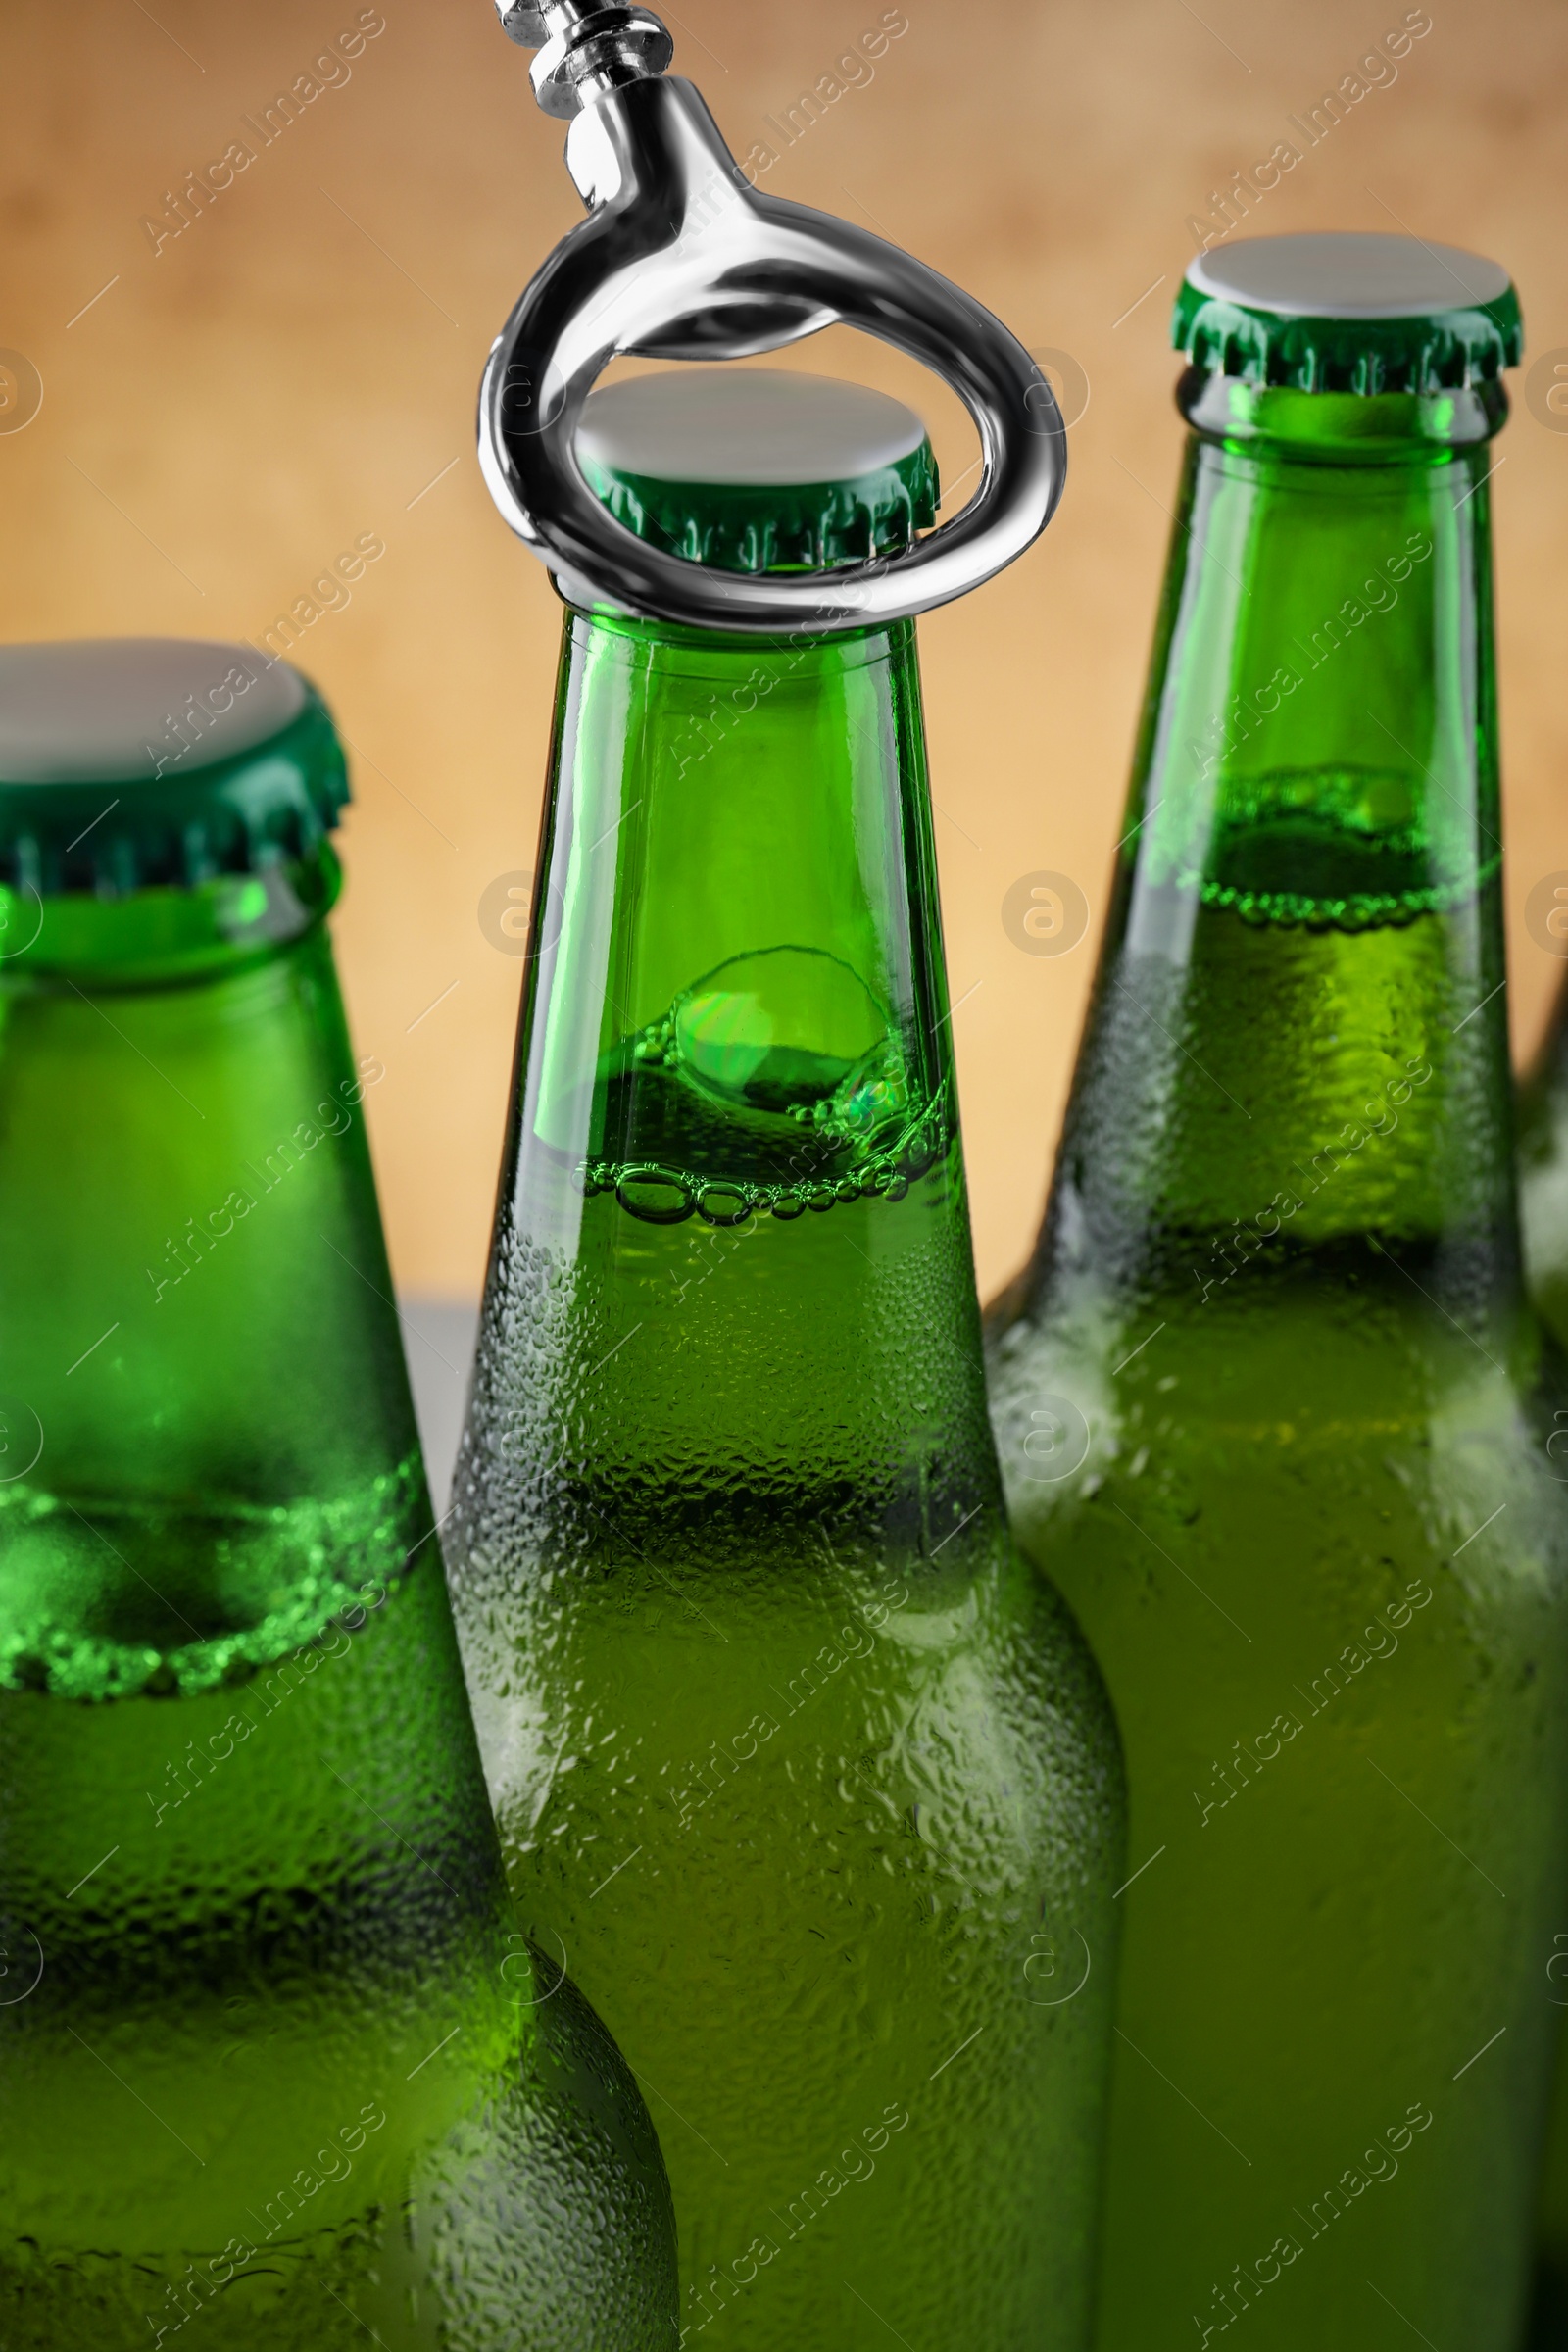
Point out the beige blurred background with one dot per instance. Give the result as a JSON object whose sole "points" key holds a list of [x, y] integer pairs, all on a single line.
{"points": [[224, 416]]}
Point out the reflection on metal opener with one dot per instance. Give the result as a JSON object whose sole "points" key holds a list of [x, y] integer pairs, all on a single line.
{"points": [[682, 259]]}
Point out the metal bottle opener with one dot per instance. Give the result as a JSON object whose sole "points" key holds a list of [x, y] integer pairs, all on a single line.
{"points": [[682, 259]]}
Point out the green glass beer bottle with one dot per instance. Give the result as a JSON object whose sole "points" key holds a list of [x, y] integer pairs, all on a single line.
{"points": [[277, 2062], [1269, 1396], [809, 1776]]}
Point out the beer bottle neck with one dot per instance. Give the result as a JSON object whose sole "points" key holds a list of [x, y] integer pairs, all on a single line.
{"points": [[1299, 1039], [732, 1204], [198, 1351]]}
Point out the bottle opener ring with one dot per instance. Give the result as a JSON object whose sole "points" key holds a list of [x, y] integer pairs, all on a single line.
{"points": [[681, 258]]}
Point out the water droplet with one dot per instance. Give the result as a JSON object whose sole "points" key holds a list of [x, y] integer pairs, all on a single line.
{"points": [[919, 1152]]}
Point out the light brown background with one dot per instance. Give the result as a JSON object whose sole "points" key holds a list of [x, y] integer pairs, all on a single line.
{"points": [[297, 366]]}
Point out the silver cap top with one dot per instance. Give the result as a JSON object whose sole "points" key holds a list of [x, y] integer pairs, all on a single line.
{"points": [[105, 710], [1348, 273], [745, 426]]}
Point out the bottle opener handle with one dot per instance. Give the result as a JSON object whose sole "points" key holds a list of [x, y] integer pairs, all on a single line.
{"points": [[682, 259]]}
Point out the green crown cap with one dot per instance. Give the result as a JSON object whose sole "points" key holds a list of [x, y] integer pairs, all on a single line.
{"points": [[759, 470], [1350, 312], [129, 762]]}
